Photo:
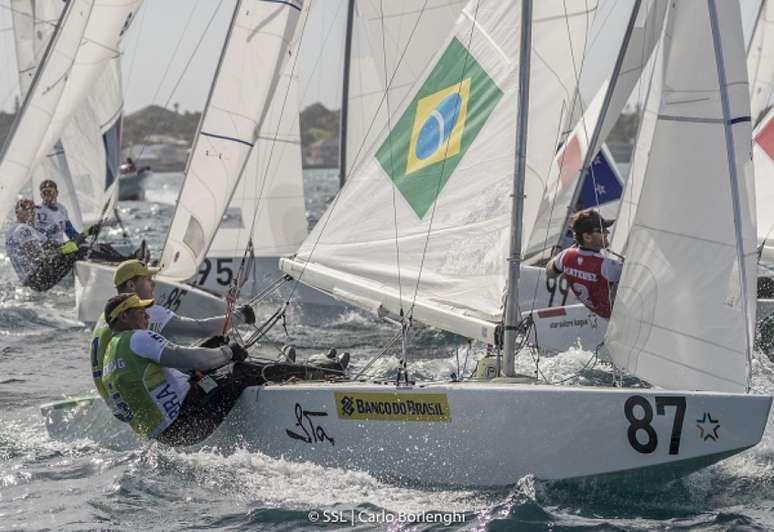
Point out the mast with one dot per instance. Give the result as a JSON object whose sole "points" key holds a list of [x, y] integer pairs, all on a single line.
{"points": [[512, 313], [343, 115], [734, 178], [591, 151]]}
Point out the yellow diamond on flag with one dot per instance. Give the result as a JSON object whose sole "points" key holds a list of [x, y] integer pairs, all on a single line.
{"points": [[438, 126]]}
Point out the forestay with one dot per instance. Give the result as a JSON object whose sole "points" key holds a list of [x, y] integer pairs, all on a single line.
{"points": [[684, 313], [253, 58], [270, 195], [760, 60], [595, 126], [41, 101], [423, 223]]}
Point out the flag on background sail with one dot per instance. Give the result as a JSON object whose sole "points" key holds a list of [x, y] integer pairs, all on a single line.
{"points": [[601, 184]]}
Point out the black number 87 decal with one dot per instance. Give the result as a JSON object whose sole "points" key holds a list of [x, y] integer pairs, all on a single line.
{"points": [[641, 425]]}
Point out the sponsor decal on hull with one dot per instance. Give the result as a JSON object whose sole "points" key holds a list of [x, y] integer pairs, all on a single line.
{"points": [[393, 406]]}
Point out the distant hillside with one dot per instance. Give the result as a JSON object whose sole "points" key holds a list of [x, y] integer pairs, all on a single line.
{"points": [[156, 120]]}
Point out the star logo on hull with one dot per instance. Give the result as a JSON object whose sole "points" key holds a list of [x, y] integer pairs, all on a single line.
{"points": [[708, 427]]}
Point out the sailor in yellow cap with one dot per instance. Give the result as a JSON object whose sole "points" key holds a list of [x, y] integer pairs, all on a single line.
{"points": [[146, 378], [134, 277], [154, 385]]}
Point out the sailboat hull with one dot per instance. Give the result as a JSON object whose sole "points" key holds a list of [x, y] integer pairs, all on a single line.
{"points": [[446, 433]]}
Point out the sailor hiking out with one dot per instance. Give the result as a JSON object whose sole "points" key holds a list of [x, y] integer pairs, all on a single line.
{"points": [[133, 277], [591, 273], [157, 387], [39, 262]]}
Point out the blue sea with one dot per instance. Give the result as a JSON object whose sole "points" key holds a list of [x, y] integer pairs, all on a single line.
{"points": [[84, 484]]}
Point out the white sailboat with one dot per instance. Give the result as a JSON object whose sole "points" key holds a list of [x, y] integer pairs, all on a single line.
{"points": [[234, 122], [632, 431]]}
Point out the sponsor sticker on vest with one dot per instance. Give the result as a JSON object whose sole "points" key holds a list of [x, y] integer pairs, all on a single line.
{"points": [[393, 406]]}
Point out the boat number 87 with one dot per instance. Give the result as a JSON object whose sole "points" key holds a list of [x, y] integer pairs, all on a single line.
{"points": [[642, 436]]}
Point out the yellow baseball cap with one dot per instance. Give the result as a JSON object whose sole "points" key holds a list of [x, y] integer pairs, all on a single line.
{"points": [[119, 304], [129, 269]]}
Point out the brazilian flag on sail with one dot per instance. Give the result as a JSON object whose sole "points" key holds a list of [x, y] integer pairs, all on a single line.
{"points": [[433, 134]]}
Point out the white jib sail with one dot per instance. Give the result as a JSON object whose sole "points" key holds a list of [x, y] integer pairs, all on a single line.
{"points": [[270, 194], [760, 60], [423, 223], [253, 59], [108, 22], [392, 44], [86, 140], [34, 22], [684, 311], [566, 170], [40, 103], [763, 161]]}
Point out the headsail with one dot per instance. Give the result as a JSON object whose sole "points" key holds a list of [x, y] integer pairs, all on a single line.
{"points": [[423, 223], [684, 311], [597, 122], [253, 59]]}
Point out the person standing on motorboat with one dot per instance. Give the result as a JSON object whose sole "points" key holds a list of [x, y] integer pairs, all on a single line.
{"points": [[591, 272], [52, 219], [134, 277], [39, 262], [157, 387]]}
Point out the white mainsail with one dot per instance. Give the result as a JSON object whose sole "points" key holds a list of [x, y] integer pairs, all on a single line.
{"points": [[253, 58], [41, 101], [108, 22], [270, 194], [34, 22], [568, 165], [684, 313], [760, 60], [423, 224], [91, 141]]}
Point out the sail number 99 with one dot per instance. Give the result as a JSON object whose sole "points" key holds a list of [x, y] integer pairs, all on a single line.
{"points": [[642, 436]]}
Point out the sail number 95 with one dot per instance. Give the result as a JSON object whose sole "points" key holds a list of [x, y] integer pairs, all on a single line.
{"points": [[642, 436]]}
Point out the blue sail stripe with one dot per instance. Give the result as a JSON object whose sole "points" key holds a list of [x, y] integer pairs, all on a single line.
{"points": [[213, 135], [285, 2]]}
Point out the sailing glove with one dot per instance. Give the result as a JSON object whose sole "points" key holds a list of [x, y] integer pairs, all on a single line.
{"points": [[247, 313], [238, 353], [68, 248]]}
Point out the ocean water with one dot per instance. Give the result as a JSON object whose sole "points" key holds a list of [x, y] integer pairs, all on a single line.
{"points": [[83, 484]]}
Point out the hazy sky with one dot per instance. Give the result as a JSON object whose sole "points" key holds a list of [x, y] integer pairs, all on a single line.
{"points": [[164, 37], [166, 33]]}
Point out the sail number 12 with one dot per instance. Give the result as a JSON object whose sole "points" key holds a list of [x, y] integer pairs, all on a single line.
{"points": [[640, 419]]}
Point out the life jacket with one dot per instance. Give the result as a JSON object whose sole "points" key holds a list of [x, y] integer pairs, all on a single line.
{"points": [[141, 392]]}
